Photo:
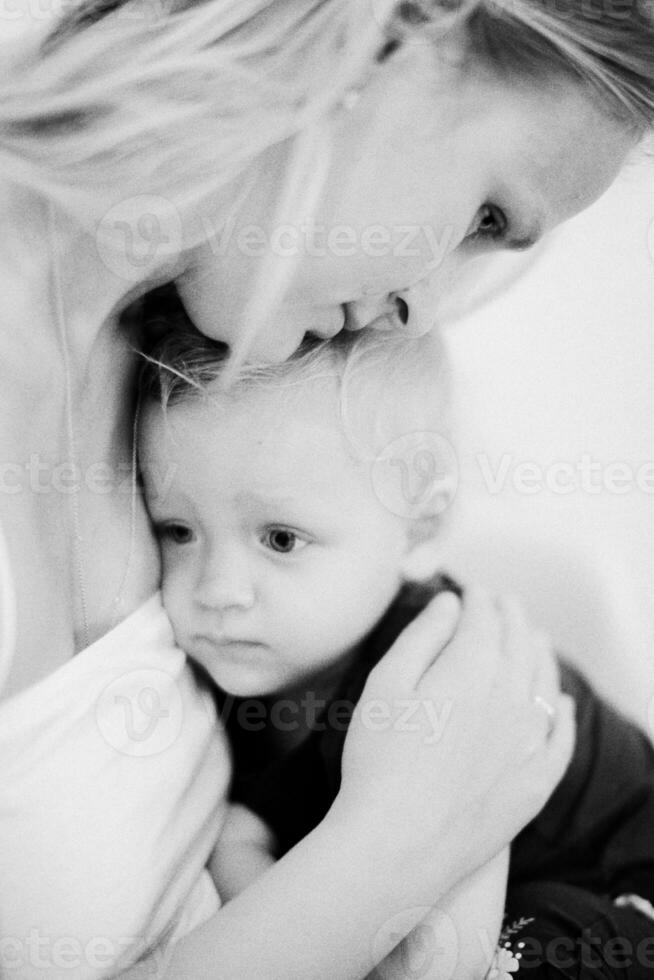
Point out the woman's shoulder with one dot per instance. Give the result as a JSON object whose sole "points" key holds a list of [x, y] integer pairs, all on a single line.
{"points": [[140, 648]]}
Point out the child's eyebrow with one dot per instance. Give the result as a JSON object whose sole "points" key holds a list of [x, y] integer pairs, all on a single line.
{"points": [[269, 498], [292, 507]]}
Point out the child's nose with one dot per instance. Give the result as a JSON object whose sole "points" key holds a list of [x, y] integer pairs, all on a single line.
{"points": [[226, 582]]}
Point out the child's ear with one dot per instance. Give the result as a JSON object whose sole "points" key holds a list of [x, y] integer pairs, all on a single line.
{"points": [[424, 554]]}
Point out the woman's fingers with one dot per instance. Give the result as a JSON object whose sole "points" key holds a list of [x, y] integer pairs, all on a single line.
{"points": [[451, 742], [435, 804], [423, 640], [546, 686], [532, 665], [473, 656], [553, 747], [561, 741]]}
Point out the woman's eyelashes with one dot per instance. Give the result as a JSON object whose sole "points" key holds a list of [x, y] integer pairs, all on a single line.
{"points": [[490, 225], [175, 532]]}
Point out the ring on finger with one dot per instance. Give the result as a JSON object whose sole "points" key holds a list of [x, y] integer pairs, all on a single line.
{"points": [[549, 710]]}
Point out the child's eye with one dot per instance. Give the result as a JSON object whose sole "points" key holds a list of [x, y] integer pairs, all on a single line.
{"points": [[490, 224], [283, 541], [175, 532]]}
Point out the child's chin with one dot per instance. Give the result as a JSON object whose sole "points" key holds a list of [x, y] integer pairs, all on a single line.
{"points": [[247, 691], [245, 686], [235, 675]]}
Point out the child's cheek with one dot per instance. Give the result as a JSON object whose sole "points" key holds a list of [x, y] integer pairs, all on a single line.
{"points": [[175, 605]]}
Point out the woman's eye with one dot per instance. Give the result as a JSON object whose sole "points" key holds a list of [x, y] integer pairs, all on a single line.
{"points": [[283, 541], [490, 224], [177, 533]]}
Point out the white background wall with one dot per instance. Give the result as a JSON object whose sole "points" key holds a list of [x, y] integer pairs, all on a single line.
{"points": [[561, 367]]}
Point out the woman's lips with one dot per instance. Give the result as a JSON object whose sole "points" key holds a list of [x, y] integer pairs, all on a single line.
{"points": [[327, 323], [363, 313]]}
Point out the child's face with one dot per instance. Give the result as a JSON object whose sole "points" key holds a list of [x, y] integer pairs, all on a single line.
{"points": [[277, 555]]}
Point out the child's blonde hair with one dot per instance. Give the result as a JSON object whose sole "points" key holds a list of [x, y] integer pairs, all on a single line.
{"points": [[387, 385], [390, 397]]}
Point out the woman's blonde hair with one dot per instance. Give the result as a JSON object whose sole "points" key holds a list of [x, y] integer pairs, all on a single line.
{"points": [[181, 95], [180, 98], [128, 97]]}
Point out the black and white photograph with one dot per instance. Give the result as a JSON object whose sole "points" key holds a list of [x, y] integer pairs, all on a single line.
{"points": [[327, 490]]}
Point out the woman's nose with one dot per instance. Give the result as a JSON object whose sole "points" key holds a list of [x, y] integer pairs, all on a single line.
{"points": [[410, 312], [226, 583]]}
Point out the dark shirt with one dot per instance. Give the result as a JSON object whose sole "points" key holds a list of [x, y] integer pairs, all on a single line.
{"points": [[594, 838]]}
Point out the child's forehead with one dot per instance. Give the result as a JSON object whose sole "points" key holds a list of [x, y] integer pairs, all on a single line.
{"points": [[286, 411], [278, 441]]}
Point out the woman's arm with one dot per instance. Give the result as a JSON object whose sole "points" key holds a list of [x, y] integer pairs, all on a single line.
{"points": [[457, 939], [413, 816], [244, 851], [316, 913]]}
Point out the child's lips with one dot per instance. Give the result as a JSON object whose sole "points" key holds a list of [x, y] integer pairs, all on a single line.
{"points": [[224, 644]]}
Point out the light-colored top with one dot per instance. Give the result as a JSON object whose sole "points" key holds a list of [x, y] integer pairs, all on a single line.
{"points": [[113, 791]]}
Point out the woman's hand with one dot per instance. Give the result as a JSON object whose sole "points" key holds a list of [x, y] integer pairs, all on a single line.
{"points": [[447, 750], [445, 760]]}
